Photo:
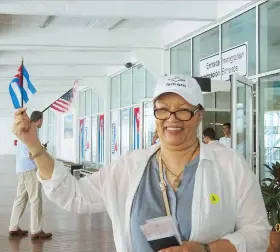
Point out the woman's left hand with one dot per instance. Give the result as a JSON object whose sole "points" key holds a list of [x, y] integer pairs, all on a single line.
{"points": [[186, 247]]}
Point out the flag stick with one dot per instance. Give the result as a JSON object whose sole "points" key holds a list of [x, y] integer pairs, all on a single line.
{"points": [[21, 81]]}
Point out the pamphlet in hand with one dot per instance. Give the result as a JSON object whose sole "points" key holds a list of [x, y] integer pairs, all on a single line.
{"points": [[161, 233]]}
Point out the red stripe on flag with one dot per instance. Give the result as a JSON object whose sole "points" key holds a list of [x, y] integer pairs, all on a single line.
{"points": [[63, 101], [18, 75], [59, 109], [61, 105]]}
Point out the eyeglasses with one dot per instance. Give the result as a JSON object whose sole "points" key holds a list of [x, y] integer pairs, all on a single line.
{"points": [[181, 115]]}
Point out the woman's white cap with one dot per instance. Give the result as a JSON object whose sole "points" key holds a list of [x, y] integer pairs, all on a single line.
{"points": [[183, 85]]}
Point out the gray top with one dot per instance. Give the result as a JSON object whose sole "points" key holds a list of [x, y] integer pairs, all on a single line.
{"points": [[148, 202]]}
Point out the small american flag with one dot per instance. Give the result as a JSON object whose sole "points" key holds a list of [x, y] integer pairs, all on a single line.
{"points": [[63, 103]]}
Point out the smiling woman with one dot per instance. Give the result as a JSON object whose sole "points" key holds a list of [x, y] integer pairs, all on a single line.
{"points": [[174, 178], [174, 116]]}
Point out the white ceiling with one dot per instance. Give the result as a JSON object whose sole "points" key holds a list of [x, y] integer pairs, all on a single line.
{"points": [[64, 41]]}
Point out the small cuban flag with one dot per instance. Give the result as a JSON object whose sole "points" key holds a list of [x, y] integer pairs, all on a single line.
{"points": [[21, 89]]}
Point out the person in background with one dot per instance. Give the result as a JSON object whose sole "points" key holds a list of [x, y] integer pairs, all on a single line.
{"points": [[211, 193], [28, 188], [209, 137], [226, 140]]}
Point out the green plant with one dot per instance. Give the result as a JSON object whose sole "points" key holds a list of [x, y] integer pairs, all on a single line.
{"points": [[271, 194], [274, 170]]}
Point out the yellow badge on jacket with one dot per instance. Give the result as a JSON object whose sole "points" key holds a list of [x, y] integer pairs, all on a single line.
{"points": [[214, 198]]}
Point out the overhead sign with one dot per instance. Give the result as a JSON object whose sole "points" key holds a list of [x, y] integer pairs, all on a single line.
{"points": [[233, 60]]}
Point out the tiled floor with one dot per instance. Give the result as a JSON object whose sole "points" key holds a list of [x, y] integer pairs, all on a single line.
{"points": [[71, 232]]}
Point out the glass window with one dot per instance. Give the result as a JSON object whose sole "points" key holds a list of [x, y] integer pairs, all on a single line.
{"points": [[269, 124], [87, 140], [115, 92], [94, 139], [125, 130], [126, 88], [239, 39], [51, 132], [218, 100], [82, 140], [82, 103], [135, 128], [100, 105], [150, 84], [223, 100], [138, 82], [88, 101], [94, 103], [115, 134], [148, 124], [205, 45], [269, 36], [100, 140], [209, 100], [180, 58]]}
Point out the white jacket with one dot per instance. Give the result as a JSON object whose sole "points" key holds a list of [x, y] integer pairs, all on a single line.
{"points": [[238, 213]]}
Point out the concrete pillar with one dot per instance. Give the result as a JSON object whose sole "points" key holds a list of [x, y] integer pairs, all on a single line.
{"points": [[76, 133]]}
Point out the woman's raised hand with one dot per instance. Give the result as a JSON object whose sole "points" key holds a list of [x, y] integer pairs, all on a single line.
{"points": [[24, 129]]}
